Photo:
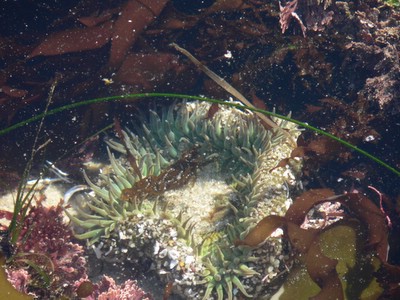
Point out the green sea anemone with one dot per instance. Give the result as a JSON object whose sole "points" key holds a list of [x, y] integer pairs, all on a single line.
{"points": [[186, 185]]}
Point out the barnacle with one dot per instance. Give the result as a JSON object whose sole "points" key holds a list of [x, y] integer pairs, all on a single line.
{"points": [[199, 184]]}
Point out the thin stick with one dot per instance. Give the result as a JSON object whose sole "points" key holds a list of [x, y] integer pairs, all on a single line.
{"points": [[230, 89]]}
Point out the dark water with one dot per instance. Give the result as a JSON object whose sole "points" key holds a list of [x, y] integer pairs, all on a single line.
{"points": [[342, 78]]}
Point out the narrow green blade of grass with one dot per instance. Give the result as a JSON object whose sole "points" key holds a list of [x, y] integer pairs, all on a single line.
{"points": [[191, 97]]}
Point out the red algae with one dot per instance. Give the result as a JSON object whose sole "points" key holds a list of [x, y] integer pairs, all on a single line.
{"points": [[7, 290]]}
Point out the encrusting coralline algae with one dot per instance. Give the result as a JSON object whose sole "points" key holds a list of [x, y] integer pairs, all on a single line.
{"points": [[181, 189]]}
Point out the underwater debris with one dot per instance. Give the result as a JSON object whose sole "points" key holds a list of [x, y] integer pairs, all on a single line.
{"points": [[186, 229]]}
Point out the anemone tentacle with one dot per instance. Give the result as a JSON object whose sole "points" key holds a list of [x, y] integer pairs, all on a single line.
{"points": [[187, 226]]}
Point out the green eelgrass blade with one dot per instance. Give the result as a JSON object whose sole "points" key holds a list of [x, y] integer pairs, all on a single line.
{"points": [[191, 97], [21, 207], [23, 201], [33, 260]]}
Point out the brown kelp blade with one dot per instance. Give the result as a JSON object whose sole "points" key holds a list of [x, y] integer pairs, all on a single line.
{"points": [[262, 231], [322, 269]]}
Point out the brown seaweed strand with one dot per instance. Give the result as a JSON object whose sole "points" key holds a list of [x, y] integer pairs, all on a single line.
{"points": [[175, 176]]}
